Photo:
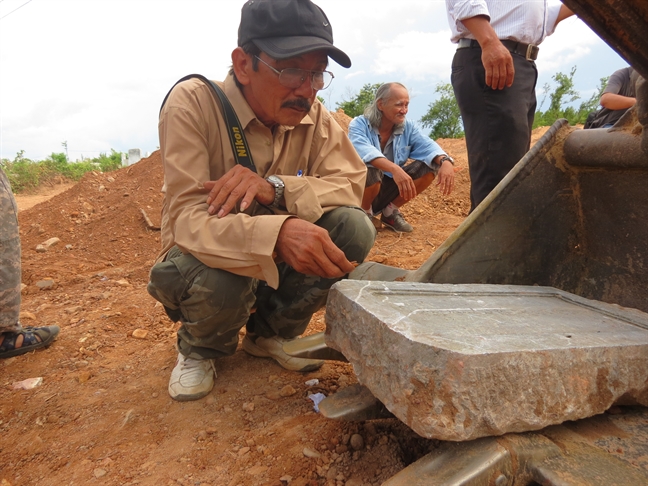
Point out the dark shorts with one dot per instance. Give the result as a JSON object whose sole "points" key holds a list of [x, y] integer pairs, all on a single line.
{"points": [[388, 188]]}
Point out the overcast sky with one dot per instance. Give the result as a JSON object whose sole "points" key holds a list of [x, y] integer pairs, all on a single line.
{"points": [[93, 73]]}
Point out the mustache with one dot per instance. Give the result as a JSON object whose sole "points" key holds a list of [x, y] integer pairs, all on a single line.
{"points": [[300, 103]]}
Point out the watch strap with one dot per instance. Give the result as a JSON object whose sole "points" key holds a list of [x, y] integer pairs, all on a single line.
{"points": [[279, 188], [444, 158]]}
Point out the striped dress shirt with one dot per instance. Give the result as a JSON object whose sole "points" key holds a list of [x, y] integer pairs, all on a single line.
{"points": [[527, 21]]}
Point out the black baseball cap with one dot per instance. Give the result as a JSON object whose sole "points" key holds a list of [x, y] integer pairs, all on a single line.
{"points": [[288, 28]]}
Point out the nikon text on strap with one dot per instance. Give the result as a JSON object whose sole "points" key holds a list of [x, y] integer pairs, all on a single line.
{"points": [[240, 146]]}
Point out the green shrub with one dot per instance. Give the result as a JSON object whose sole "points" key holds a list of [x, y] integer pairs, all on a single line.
{"points": [[443, 116], [110, 162], [25, 174]]}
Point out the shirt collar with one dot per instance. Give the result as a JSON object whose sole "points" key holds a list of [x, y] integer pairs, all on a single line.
{"points": [[398, 130]]}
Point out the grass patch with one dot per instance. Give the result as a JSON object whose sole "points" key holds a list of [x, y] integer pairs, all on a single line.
{"points": [[26, 175]]}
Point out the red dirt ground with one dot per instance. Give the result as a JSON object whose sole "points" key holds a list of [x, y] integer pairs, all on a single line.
{"points": [[103, 416]]}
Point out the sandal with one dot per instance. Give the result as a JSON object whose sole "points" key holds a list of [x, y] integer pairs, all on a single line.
{"points": [[33, 338]]}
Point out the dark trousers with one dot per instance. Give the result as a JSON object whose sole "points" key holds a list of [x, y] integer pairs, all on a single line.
{"points": [[213, 304], [497, 123]]}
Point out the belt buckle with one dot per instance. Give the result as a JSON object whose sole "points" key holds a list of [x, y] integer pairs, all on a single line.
{"points": [[530, 51]]}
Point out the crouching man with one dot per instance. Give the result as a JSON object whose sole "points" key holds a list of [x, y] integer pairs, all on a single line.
{"points": [[260, 246], [401, 161]]}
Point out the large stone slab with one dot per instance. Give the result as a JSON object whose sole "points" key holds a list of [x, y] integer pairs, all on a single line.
{"points": [[457, 362]]}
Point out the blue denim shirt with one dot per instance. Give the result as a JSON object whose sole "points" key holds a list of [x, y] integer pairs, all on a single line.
{"points": [[410, 144]]}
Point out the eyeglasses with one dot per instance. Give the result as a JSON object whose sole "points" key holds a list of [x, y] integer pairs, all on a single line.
{"points": [[293, 78]]}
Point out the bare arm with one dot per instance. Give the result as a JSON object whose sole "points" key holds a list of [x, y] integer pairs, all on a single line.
{"points": [[565, 12], [613, 101], [496, 58]]}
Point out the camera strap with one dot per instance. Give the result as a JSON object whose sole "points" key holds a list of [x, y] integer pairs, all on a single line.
{"points": [[237, 138]]}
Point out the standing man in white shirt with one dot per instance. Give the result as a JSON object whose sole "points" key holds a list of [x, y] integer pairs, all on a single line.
{"points": [[494, 78]]}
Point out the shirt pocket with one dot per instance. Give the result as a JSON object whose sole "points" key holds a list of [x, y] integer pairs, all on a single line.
{"points": [[403, 154]]}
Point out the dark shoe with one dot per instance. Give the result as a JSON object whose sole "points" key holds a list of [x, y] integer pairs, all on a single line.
{"points": [[273, 348], [376, 222], [33, 338], [397, 222]]}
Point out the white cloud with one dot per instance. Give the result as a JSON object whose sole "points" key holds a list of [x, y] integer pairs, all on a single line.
{"points": [[572, 41], [416, 55], [93, 73], [354, 74]]}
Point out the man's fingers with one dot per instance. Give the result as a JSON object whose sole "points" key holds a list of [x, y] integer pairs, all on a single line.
{"points": [[489, 77], [447, 187], [501, 77], [234, 196], [237, 185], [498, 65], [338, 260], [510, 74], [309, 250], [224, 195]]}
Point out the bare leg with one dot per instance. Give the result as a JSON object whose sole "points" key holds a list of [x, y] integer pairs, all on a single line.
{"points": [[369, 195]]}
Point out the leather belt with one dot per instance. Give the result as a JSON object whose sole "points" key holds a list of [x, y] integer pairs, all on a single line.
{"points": [[528, 51]]}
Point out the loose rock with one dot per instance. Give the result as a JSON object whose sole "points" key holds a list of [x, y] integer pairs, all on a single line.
{"points": [[140, 333], [28, 384], [287, 391], [46, 284], [357, 442], [46, 245], [84, 376], [311, 453]]}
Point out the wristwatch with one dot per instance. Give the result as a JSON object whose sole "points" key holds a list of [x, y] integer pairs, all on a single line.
{"points": [[279, 186], [444, 158]]}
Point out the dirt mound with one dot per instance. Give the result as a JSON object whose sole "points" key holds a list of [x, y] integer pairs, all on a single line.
{"points": [[100, 224], [342, 118], [103, 414]]}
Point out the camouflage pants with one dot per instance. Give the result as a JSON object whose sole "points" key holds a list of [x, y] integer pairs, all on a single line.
{"points": [[9, 258], [213, 304]]}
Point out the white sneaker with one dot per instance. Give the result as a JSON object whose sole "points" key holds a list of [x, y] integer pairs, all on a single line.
{"points": [[273, 348], [191, 379]]}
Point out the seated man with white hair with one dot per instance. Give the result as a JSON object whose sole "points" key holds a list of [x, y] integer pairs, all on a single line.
{"points": [[386, 141]]}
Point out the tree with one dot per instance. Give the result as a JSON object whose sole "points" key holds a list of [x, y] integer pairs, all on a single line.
{"points": [[443, 116], [565, 94], [357, 104]]}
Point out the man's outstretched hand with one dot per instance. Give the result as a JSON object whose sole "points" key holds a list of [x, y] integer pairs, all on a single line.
{"points": [[309, 250]]}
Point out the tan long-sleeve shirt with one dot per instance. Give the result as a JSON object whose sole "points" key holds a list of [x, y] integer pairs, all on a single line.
{"points": [[195, 148]]}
